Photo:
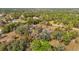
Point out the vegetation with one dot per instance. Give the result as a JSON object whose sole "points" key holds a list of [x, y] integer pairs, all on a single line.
{"points": [[10, 27], [40, 45], [15, 45], [34, 29]]}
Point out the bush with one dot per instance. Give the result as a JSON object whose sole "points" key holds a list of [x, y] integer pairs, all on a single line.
{"points": [[73, 34], [16, 15], [23, 30], [65, 36], [33, 21], [68, 36], [45, 35], [2, 47], [10, 27], [66, 39], [58, 48], [57, 35], [40, 45], [68, 27], [17, 45], [62, 36]]}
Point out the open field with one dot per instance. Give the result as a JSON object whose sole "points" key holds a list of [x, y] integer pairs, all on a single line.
{"points": [[39, 29]]}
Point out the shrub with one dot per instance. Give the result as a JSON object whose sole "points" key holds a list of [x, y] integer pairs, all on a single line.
{"points": [[40, 45], [45, 35], [57, 35], [33, 21], [16, 15], [23, 30], [65, 36], [2, 47], [73, 34], [58, 48], [17, 45], [68, 27], [66, 39], [10, 27], [68, 36]]}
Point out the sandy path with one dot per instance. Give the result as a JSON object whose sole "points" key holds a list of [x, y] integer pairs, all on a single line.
{"points": [[9, 37], [55, 25]]}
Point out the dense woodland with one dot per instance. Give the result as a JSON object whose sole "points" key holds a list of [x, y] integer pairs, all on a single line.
{"points": [[39, 29]]}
